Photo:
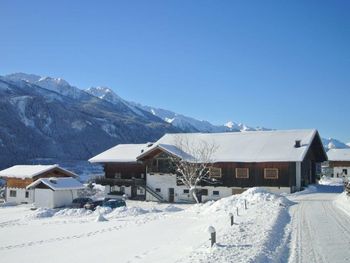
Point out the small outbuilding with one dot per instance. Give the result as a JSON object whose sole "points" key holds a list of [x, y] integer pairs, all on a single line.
{"points": [[54, 192], [18, 177]]}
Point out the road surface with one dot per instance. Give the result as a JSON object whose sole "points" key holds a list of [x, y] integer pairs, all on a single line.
{"points": [[320, 231]]}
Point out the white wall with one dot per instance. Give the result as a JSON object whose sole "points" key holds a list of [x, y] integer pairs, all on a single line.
{"points": [[20, 196], [277, 190], [43, 198], [180, 196], [48, 198], [64, 197], [166, 181], [161, 181], [338, 171]]}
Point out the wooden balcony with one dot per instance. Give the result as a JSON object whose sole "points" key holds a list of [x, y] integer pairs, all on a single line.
{"points": [[120, 182]]}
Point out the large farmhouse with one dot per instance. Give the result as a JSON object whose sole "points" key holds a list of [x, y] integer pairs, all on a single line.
{"points": [[282, 161], [18, 177], [339, 162]]}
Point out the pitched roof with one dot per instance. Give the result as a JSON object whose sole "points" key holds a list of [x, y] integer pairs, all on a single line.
{"points": [[29, 171], [249, 146], [60, 183], [339, 154], [120, 153]]}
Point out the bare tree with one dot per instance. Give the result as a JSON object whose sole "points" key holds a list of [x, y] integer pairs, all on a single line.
{"points": [[192, 162]]}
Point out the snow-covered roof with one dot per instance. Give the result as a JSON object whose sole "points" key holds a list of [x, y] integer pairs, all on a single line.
{"points": [[120, 153], [60, 183], [29, 171], [339, 154], [249, 146]]}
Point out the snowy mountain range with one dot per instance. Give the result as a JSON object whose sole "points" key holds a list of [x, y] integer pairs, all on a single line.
{"points": [[48, 118], [180, 121], [44, 117]]}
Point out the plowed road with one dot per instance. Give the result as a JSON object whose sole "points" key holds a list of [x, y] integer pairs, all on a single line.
{"points": [[320, 230]]}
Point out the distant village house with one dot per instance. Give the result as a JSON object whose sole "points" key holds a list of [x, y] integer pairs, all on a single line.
{"points": [[338, 164]]}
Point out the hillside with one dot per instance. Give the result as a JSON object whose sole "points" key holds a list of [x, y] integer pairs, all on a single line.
{"points": [[48, 118]]}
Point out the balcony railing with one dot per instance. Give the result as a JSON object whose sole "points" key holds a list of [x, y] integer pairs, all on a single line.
{"points": [[120, 182]]}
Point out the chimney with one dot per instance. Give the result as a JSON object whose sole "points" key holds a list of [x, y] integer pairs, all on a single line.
{"points": [[297, 143]]}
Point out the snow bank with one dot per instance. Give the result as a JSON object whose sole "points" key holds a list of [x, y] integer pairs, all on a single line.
{"points": [[104, 211], [343, 202], [260, 232], [253, 195], [331, 181]]}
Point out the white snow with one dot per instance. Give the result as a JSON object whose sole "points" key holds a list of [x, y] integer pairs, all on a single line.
{"points": [[21, 103], [334, 181], [148, 232], [61, 183], [249, 146], [120, 153], [339, 154], [319, 229], [26, 171]]}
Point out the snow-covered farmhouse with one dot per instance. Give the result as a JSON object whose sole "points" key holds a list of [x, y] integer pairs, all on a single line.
{"points": [[55, 192], [123, 173], [282, 161], [18, 177], [339, 162]]}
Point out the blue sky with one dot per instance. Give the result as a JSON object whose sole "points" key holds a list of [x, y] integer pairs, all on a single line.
{"points": [[278, 64]]}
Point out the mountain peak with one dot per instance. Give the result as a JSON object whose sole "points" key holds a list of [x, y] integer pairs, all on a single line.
{"points": [[104, 93]]}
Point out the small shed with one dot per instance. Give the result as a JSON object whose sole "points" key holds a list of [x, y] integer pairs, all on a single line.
{"points": [[55, 192]]}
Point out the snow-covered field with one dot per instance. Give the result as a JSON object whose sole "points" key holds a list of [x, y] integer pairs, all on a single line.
{"points": [[150, 232]]}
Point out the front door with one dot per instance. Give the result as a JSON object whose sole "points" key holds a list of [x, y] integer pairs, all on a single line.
{"points": [[171, 195], [133, 191]]}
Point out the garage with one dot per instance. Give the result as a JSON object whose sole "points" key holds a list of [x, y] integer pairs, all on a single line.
{"points": [[55, 192]]}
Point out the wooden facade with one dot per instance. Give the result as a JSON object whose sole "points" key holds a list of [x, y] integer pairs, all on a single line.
{"points": [[128, 174], [13, 182], [256, 170], [333, 164], [124, 170]]}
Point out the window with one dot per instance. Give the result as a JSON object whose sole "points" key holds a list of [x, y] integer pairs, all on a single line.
{"points": [[158, 190], [270, 173], [186, 191], [13, 193], [141, 191], [216, 193], [215, 172], [204, 191], [345, 171], [122, 189], [242, 173], [27, 194], [117, 175]]}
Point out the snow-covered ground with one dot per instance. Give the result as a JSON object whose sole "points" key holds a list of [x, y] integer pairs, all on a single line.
{"points": [[309, 226], [149, 232], [320, 229]]}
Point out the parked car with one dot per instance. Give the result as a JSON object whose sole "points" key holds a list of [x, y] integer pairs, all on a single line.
{"points": [[80, 202], [114, 203], [92, 205]]}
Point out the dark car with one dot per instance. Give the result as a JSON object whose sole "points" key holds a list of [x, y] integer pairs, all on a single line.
{"points": [[80, 202], [92, 205], [114, 203]]}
